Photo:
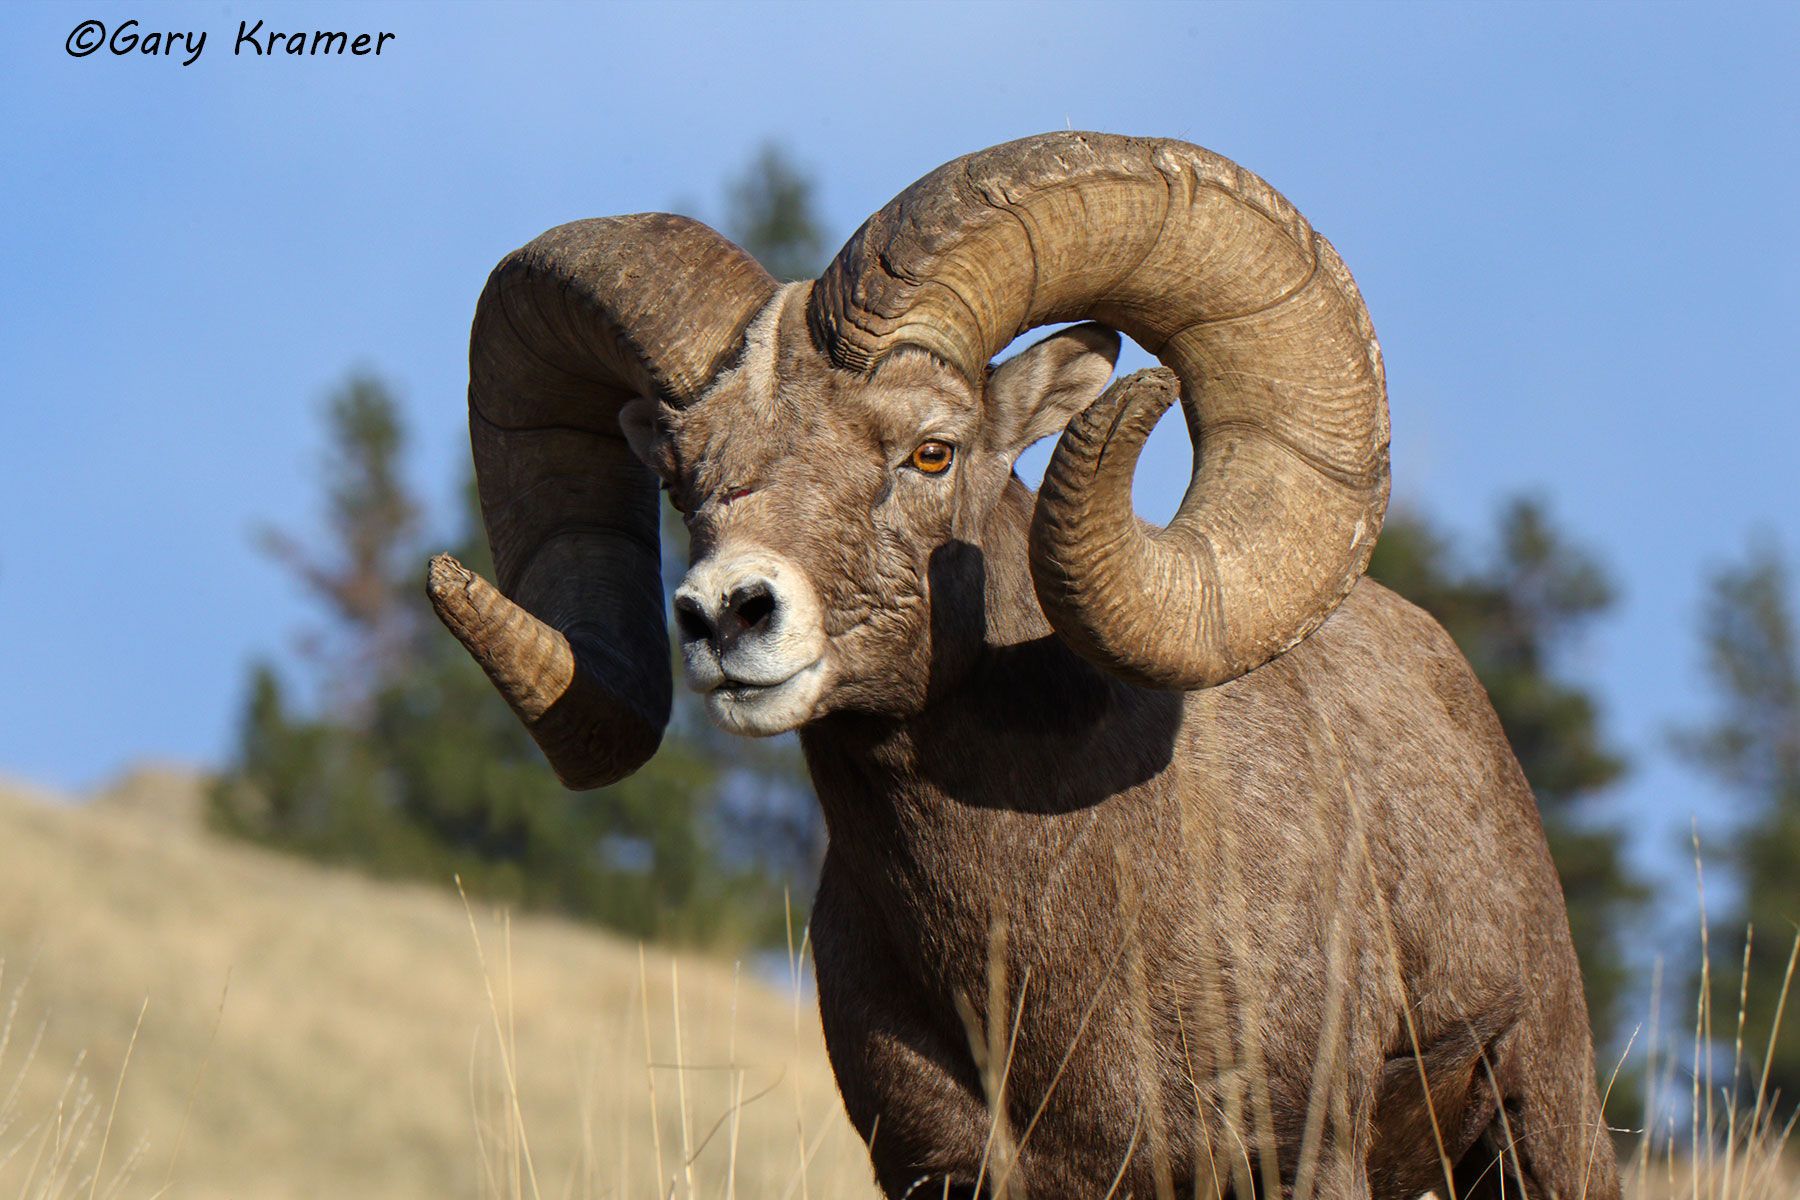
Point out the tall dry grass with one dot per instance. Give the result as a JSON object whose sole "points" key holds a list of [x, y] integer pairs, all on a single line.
{"points": [[1713, 1129], [186, 1017], [306, 1032]]}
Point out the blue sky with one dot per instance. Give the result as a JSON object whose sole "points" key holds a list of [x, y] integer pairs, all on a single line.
{"points": [[1573, 226]]}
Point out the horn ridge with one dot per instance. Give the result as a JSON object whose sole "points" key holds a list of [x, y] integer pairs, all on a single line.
{"points": [[1216, 273]]}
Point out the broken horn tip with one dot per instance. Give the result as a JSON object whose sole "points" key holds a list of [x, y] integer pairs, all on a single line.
{"points": [[444, 571], [455, 593]]}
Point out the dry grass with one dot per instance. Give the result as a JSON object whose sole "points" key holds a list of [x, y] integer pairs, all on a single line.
{"points": [[195, 1018], [1713, 1129], [312, 1033]]}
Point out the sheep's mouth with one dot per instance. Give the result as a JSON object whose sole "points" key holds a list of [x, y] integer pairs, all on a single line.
{"points": [[759, 709], [753, 690], [743, 693], [743, 689]]}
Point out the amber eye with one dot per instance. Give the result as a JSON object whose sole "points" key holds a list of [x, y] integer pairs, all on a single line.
{"points": [[933, 457]]}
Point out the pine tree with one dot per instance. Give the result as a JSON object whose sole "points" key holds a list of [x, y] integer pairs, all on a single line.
{"points": [[1753, 747], [1515, 616], [771, 215], [362, 576], [308, 783]]}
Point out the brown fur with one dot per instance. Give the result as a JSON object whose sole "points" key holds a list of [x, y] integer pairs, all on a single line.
{"points": [[1233, 926]]}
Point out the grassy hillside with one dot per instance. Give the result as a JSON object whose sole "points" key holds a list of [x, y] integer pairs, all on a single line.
{"points": [[356, 1052], [311, 1033]]}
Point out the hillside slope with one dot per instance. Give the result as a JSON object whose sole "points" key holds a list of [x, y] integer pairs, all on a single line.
{"points": [[356, 1046]]}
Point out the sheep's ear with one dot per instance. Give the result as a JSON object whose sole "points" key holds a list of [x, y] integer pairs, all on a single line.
{"points": [[637, 421], [1034, 393]]}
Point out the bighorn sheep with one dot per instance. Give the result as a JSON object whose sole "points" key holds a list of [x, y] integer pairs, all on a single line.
{"points": [[1161, 862]]}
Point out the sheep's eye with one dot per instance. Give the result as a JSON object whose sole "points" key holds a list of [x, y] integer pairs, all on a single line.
{"points": [[933, 457]]}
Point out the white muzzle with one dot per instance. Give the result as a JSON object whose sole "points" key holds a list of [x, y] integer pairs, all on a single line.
{"points": [[752, 640]]}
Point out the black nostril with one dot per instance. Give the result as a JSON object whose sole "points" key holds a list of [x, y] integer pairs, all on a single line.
{"points": [[752, 604], [690, 618]]}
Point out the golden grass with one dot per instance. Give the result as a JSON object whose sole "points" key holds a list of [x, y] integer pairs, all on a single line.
{"points": [[1732, 1142], [307, 1032], [190, 1017]]}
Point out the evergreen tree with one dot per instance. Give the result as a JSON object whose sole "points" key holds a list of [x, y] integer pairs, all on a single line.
{"points": [[1514, 617], [360, 578], [1753, 747], [771, 215]]}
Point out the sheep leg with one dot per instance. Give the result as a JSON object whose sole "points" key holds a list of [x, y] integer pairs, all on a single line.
{"points": [[910, 1091], [1563, 1148], [1549, 1128]]}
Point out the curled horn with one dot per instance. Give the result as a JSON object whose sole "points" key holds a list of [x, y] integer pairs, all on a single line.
{"points": [[1211, 270], [568, 329]]}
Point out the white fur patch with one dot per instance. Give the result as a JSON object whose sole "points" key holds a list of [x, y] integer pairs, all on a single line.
{"points": [[755, 370], [769, 679]]}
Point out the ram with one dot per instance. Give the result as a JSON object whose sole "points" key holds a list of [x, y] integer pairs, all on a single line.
{"points": [[1178, 861]]}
